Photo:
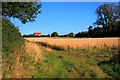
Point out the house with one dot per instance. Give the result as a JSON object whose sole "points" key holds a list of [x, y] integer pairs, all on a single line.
{"points": [[37, 34]]}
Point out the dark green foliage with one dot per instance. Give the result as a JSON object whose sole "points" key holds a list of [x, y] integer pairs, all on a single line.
{"points": [[71, 34], [11, 37], [113, 30], [68, 35], [54, 34], [90, 31], [46, 35], [24, 11], [96, 32], [82, 34], [32, 35], [107, 13]]}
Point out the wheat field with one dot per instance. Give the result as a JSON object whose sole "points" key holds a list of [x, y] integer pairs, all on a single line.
{"points": [[73, 43]]}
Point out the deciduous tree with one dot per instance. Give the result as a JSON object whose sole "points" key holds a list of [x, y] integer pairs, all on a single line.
{"points": [[54, 34], [107, 14], [24, 11]]}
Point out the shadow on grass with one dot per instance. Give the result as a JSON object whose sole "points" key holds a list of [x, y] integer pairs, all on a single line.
{"points": [[110, 68], [52, 47]]}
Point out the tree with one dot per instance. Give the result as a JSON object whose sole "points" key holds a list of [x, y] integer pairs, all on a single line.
{"points": [[54, 34], [109, 19], [48, 35], [107, 13], [71, 34], [97, 32], [82, 34], [24, 11], [115, 31], [68, 35], [90, 31]]}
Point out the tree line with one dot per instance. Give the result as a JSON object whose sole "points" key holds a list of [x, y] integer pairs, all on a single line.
{"points": [[54, 34], [106, 25]]}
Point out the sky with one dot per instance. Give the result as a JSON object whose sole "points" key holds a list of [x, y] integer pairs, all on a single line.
{"points": [[61, 17]]}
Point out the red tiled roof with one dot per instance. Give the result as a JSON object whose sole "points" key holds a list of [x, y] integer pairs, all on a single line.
{"points": [[37, 33]]}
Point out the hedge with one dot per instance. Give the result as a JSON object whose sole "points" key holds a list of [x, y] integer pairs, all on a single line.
{"points": [[11, 37]]}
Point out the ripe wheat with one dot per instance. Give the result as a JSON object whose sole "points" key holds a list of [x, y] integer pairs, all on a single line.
{"points": [[72, 43]]}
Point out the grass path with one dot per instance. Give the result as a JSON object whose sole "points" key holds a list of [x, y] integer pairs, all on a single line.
{"points": [[34, 50], [75, 63], [37, 61]]}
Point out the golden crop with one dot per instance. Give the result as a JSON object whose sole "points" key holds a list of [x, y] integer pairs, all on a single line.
{"points": [[72, 43]]}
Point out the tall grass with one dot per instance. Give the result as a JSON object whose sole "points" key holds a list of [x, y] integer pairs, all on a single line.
{"points": [[21, 62], [33, 49]]}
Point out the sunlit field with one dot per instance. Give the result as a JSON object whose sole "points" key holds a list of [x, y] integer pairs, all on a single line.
{"points": [[78, 58], [76, 43]]}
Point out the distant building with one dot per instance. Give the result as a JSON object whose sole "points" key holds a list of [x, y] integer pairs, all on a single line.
{"points": [[37, 34]]}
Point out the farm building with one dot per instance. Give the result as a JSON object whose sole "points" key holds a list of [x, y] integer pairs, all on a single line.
{"points": [[37, 34]]}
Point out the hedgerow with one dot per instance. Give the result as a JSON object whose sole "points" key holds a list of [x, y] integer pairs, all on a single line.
{"points": [[11, 37]]}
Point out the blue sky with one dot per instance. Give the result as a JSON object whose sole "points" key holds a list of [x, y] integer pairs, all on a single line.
{"points": [[61, 17]]}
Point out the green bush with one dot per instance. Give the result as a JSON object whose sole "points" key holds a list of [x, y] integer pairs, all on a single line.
{"points": [[11, 38]]}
